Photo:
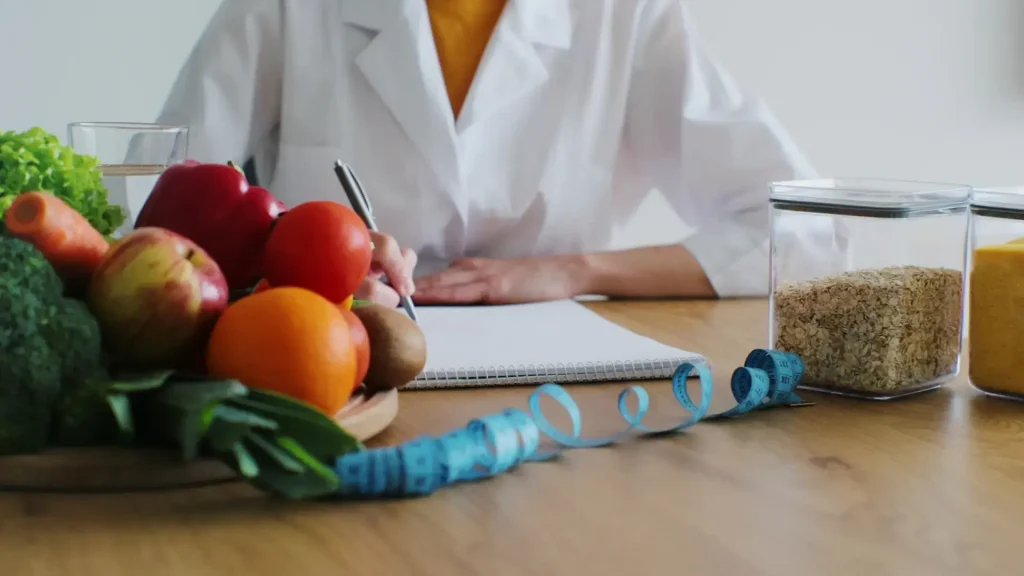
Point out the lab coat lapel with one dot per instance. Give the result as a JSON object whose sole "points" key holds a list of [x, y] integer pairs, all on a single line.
{"points": [[401, 65], [511, 67]]}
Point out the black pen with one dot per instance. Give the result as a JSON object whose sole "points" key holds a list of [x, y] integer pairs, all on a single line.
{"points": [[361, 204]]}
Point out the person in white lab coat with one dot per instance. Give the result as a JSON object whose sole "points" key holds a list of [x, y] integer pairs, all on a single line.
{"points": [[576, 111]]}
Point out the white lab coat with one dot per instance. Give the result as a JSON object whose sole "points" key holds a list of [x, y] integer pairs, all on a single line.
{"points": [[578, 110]]}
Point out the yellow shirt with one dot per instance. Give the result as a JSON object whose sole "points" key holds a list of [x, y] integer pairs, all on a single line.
{"points": [[462, 29]]}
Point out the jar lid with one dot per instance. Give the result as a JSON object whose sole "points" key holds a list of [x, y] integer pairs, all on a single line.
{"points": [[874, 197], [1006, 201]]}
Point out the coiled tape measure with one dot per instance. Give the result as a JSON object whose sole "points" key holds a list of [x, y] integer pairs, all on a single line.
{"points": [[494, 444]]}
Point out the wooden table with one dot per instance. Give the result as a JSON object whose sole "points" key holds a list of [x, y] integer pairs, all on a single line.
{"points": [[930, 485]]}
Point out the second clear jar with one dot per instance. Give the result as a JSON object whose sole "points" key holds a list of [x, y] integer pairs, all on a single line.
{"points": [[868, 283], [995, 335]]}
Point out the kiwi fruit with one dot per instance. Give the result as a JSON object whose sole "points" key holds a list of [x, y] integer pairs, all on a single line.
{"points": [[398, 349]]}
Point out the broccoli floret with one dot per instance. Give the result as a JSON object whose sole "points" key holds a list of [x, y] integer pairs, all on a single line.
{"points": [[29, 377], [26, 268], [29, 384], [82, 416], [74, 332], [50, 356]]}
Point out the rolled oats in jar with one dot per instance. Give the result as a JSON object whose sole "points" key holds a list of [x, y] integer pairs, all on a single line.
{"points": [[884, 318]]}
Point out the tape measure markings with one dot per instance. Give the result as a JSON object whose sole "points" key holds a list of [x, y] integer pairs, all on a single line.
{"points": [[497, 443]]}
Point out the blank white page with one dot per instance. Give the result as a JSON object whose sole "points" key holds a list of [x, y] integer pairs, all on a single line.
{"points": [[560, 341]]}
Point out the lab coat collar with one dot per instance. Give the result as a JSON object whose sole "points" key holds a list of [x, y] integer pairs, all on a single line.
{"points": [[546, 22], [373, 15], [400, 64]]}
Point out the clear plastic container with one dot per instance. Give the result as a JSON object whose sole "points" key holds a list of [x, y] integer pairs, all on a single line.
{"points": [[868, 283], [995, 312]]}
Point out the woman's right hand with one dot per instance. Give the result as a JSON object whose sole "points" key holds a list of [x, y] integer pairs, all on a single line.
{"points": [[391, 272]]}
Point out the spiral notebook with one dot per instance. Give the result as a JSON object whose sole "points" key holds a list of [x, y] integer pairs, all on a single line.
{"points": [[561, 342]]}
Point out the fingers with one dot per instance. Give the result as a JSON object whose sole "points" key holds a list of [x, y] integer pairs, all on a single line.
{"points": [[465, 293], [377, 292], [411, 259], [446, 278], [466, 281], [462, 271], [390, 259]]}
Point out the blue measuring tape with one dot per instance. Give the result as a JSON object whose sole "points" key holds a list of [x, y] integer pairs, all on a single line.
{"points": [[497, 443]]}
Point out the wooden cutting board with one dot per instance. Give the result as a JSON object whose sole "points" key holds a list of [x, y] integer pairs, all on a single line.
{"points": [[128, 470]]}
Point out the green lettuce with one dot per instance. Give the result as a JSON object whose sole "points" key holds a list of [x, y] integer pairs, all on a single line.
{"points": [[36, 160]]}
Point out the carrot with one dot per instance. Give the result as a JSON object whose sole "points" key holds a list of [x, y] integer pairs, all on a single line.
{"points": [[68, 241]]}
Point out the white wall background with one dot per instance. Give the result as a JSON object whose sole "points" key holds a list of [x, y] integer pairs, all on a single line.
{"points": [[921, 89]]}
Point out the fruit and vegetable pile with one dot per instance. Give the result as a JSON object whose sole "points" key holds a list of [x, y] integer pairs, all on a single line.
{"points": [[223, 325]]}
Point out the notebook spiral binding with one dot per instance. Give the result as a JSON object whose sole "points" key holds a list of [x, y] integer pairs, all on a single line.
{"points": [[560, 373]]}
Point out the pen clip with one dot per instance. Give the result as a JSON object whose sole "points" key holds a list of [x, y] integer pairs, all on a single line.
{"points": [[359, 188]]}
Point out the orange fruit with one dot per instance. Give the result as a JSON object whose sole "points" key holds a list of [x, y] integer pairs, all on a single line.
{"points": [[321, 246], [288, 340], [347, 302]]}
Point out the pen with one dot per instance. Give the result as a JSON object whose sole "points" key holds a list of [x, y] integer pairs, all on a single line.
{"points": [[361, 204]]}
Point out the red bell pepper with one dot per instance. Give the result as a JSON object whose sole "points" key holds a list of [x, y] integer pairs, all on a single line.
{"points": [[215, 207]]}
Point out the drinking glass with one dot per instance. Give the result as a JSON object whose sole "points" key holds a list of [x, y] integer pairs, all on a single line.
{"points": [[132, 157]]}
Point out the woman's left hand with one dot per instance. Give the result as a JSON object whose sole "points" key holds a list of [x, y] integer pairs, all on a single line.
{"points": [[512, 281]]}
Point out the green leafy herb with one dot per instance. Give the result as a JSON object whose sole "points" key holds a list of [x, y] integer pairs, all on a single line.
{"points": [[140, 382], [317, 433], [278, 454], [247, 465], [277, 443], [230, 425], [36, 160], [181, 411], [225, 413], [317, 467], [315, 481], [122, 411], [199, 395]]}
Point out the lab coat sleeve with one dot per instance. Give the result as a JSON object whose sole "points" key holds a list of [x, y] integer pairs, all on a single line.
{"points": [[229, 90], [710, 147]]}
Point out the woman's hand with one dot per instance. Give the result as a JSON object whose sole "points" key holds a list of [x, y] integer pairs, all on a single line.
{"points": [[651, 272], [520, 280], [391, 264]]}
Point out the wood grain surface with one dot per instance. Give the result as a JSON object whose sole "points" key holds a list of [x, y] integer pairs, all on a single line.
{"points": [[929, 485]]}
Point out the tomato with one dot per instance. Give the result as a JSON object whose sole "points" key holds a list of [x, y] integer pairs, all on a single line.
{"points": [[321, 246], [360, 340]]}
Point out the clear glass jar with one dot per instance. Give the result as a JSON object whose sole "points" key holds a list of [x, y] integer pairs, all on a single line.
{"points": [[868, 283], [995, 311]]}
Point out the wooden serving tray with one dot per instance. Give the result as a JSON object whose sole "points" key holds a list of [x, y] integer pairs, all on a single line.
{"points": [[128, 470], [367, 415]]}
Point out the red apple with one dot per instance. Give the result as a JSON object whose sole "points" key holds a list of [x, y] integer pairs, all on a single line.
{"points": [[156, 295]]}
